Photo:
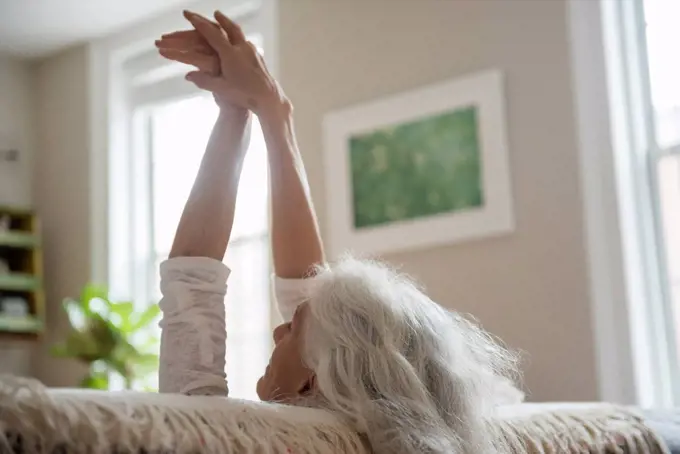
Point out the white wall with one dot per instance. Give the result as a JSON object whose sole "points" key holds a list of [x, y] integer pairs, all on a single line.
{"points": [[17, 129], [62, 176]]}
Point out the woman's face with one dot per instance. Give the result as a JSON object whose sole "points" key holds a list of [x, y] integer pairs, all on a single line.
{"points": [[286, 376]]}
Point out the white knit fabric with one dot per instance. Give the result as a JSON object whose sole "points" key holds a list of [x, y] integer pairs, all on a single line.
{"points": [[35, 420]]}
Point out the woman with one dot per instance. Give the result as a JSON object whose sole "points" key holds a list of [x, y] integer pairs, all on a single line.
{"points": [[358, 339]]}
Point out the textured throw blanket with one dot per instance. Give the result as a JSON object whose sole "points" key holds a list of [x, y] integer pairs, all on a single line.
{"points": [[34, 419]]}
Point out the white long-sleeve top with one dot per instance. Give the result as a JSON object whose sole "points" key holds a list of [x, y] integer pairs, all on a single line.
{"points": [[194, 337]]}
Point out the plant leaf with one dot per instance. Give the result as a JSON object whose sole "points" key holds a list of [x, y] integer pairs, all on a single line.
{"points": [[91, 292], [146, 317], [95, 380], [77, 315], [121, 315], [82, 346], [105, 335]]}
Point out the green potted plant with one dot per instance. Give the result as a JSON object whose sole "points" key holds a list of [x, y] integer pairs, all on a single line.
{"points": [[111, 338]]}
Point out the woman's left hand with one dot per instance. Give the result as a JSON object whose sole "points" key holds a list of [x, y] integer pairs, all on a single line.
{"points": [[229, 66]]}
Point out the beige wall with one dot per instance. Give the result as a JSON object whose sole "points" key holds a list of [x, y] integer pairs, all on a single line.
{"points": [[530, 288], [17, 128], [62, 195]]}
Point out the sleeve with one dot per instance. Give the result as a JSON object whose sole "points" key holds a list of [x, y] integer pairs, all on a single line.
{"points": [[290, 293], [193, 332]]}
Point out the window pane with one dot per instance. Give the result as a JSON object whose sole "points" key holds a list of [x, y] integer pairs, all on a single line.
{"points": [[248, 290], [180, 133], [669, 201], [663, 36], [248, 333], [246, 362]]}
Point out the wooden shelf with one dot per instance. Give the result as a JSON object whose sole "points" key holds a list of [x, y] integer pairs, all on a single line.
{"points": [[18, 240], [20, 325], [21, 276], [19, 282]]}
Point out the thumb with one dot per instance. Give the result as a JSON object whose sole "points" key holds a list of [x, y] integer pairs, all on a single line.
{"points": [[203, 80]]}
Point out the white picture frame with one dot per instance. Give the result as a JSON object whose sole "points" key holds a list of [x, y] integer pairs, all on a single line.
{"points": [[482, 91]]}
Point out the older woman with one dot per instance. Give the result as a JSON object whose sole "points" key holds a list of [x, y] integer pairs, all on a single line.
{"points": [[358, 339]]}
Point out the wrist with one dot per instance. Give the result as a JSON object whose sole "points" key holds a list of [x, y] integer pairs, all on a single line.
{"points": [[276, 109], [233, 113]]}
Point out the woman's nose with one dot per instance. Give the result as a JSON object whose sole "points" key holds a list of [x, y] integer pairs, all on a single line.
{"points": [[279, 332]]}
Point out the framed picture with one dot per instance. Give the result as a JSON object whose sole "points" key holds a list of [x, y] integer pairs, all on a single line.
{"points": [[420, 169]]}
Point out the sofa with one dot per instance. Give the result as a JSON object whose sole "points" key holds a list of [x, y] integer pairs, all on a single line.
{"points": [[35, 419]]}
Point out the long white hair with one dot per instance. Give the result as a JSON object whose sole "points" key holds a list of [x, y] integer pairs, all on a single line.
{"points": [[406, 373]]}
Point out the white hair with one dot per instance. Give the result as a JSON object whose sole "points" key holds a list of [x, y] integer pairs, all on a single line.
{"points": [[406, 373]]}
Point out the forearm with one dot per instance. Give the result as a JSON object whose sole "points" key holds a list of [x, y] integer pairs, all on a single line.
{"points": [[206, 222], [296, 242]]}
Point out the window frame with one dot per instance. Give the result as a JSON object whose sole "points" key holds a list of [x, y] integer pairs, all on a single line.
{"points": [[646, 153], [112, 61], [635, 344]]}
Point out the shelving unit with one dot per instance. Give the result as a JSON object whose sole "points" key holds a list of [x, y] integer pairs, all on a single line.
{"points": [[21, 271]]}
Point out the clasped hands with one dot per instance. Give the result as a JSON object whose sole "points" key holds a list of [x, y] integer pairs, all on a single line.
{"points": [[227, 64]]}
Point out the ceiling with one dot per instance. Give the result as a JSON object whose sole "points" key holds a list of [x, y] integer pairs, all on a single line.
{"points": [[36, 28]]}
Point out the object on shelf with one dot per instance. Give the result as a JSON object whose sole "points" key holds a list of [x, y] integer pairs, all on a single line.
{"points": [[5, 223], [14, 306], [4, 266]]}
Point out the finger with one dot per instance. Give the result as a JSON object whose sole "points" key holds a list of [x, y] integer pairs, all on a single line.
{"points": [[206, 63], [234, 32], [188, 35], [185, 46], [203, 80], [215, 37]]}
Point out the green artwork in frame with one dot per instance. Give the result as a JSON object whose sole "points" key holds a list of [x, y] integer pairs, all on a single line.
{"points": [[422, 168]]}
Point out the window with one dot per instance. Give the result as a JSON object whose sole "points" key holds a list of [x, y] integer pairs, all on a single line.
{"points": [[166, 123], [664, 71], [645, 112], [662, 35]]}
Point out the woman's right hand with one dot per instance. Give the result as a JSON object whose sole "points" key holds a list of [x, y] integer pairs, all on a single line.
{"points": [[231, 67]]}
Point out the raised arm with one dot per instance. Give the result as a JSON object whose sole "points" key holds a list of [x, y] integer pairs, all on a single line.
{"points": [[296, 242], [246, 82], [208, 216], [193, 280]]}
